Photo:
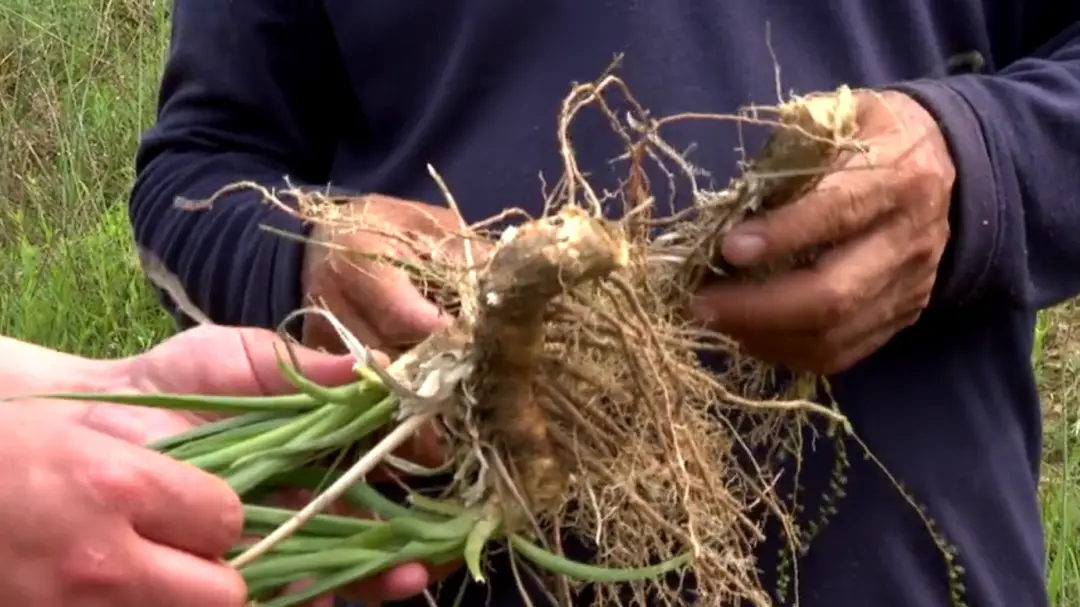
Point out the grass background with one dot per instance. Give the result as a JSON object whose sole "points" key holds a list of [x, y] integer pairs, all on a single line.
{"points": [[78, 82]]}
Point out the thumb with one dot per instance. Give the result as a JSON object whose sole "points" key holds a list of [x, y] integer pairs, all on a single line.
{"points": [[841, 206]]}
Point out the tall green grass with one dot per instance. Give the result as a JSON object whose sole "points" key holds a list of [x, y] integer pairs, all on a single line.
{"points": [[1057, 360], [77, 86]]}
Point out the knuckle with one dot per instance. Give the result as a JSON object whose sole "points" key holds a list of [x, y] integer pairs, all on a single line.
{"points": [[941, 232], [832, 357], [926, 250], [419, 216], [854, 197], [824, 354], [393, 327], [828, 341], [839, 302], [93, 567], [909, 320], [836, 364], [386, 323], [215, 512], [926, 184], [113, 481], [919, 296]]}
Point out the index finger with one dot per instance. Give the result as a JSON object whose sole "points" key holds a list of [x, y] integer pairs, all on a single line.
{"points": [[844, 203], [804, 299], [789, 302], [392, 305], [166, 502]]}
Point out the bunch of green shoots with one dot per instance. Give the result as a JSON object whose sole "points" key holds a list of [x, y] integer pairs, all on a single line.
{"points": [[270, 443]]}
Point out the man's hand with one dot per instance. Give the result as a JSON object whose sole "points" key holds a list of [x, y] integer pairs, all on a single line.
{"points": [[87, 519], [382, 306], [378, 302], [886, 215]]}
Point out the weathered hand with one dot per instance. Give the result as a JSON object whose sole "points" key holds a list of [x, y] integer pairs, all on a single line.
{"points": [[379, 303], [886, 217], [384, 309]]}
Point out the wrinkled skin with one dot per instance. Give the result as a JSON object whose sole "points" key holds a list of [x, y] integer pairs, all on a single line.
{"points": [[376, 301], [888, 226], [383, 307]]}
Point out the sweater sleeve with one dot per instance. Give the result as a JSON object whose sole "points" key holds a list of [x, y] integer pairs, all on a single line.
{"points": [[251, 91], [1015, 139]]}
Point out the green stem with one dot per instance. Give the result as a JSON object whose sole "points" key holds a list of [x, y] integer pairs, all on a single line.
{"points": [[367, 390], [213, 428], [442, 507], [226, 439], [362, 425], [321, 524], [419, 529], [297, 544], [277, 566], [360, 495], [411, 552], [381, 536], [248, 477], [553, 563], [222, 459], [205, 403], [478, 537], [303, 401]]}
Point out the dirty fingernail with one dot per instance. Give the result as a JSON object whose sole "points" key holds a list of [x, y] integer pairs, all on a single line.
{"points": [[742, 248]]}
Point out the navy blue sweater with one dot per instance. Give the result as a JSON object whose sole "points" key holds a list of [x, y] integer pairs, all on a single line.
{"points": [[363, 94]]}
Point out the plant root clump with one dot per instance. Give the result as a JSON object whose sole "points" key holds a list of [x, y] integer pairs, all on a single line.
{"points": [[587, 407]]}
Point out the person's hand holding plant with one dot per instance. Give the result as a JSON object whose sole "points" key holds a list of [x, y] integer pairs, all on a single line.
{"points": [[885, 217], [90, 517]]}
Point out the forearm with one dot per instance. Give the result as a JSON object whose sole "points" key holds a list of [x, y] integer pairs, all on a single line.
{"points": [[235, 106], [228, 264], [30, 369], [1015, 138]]}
